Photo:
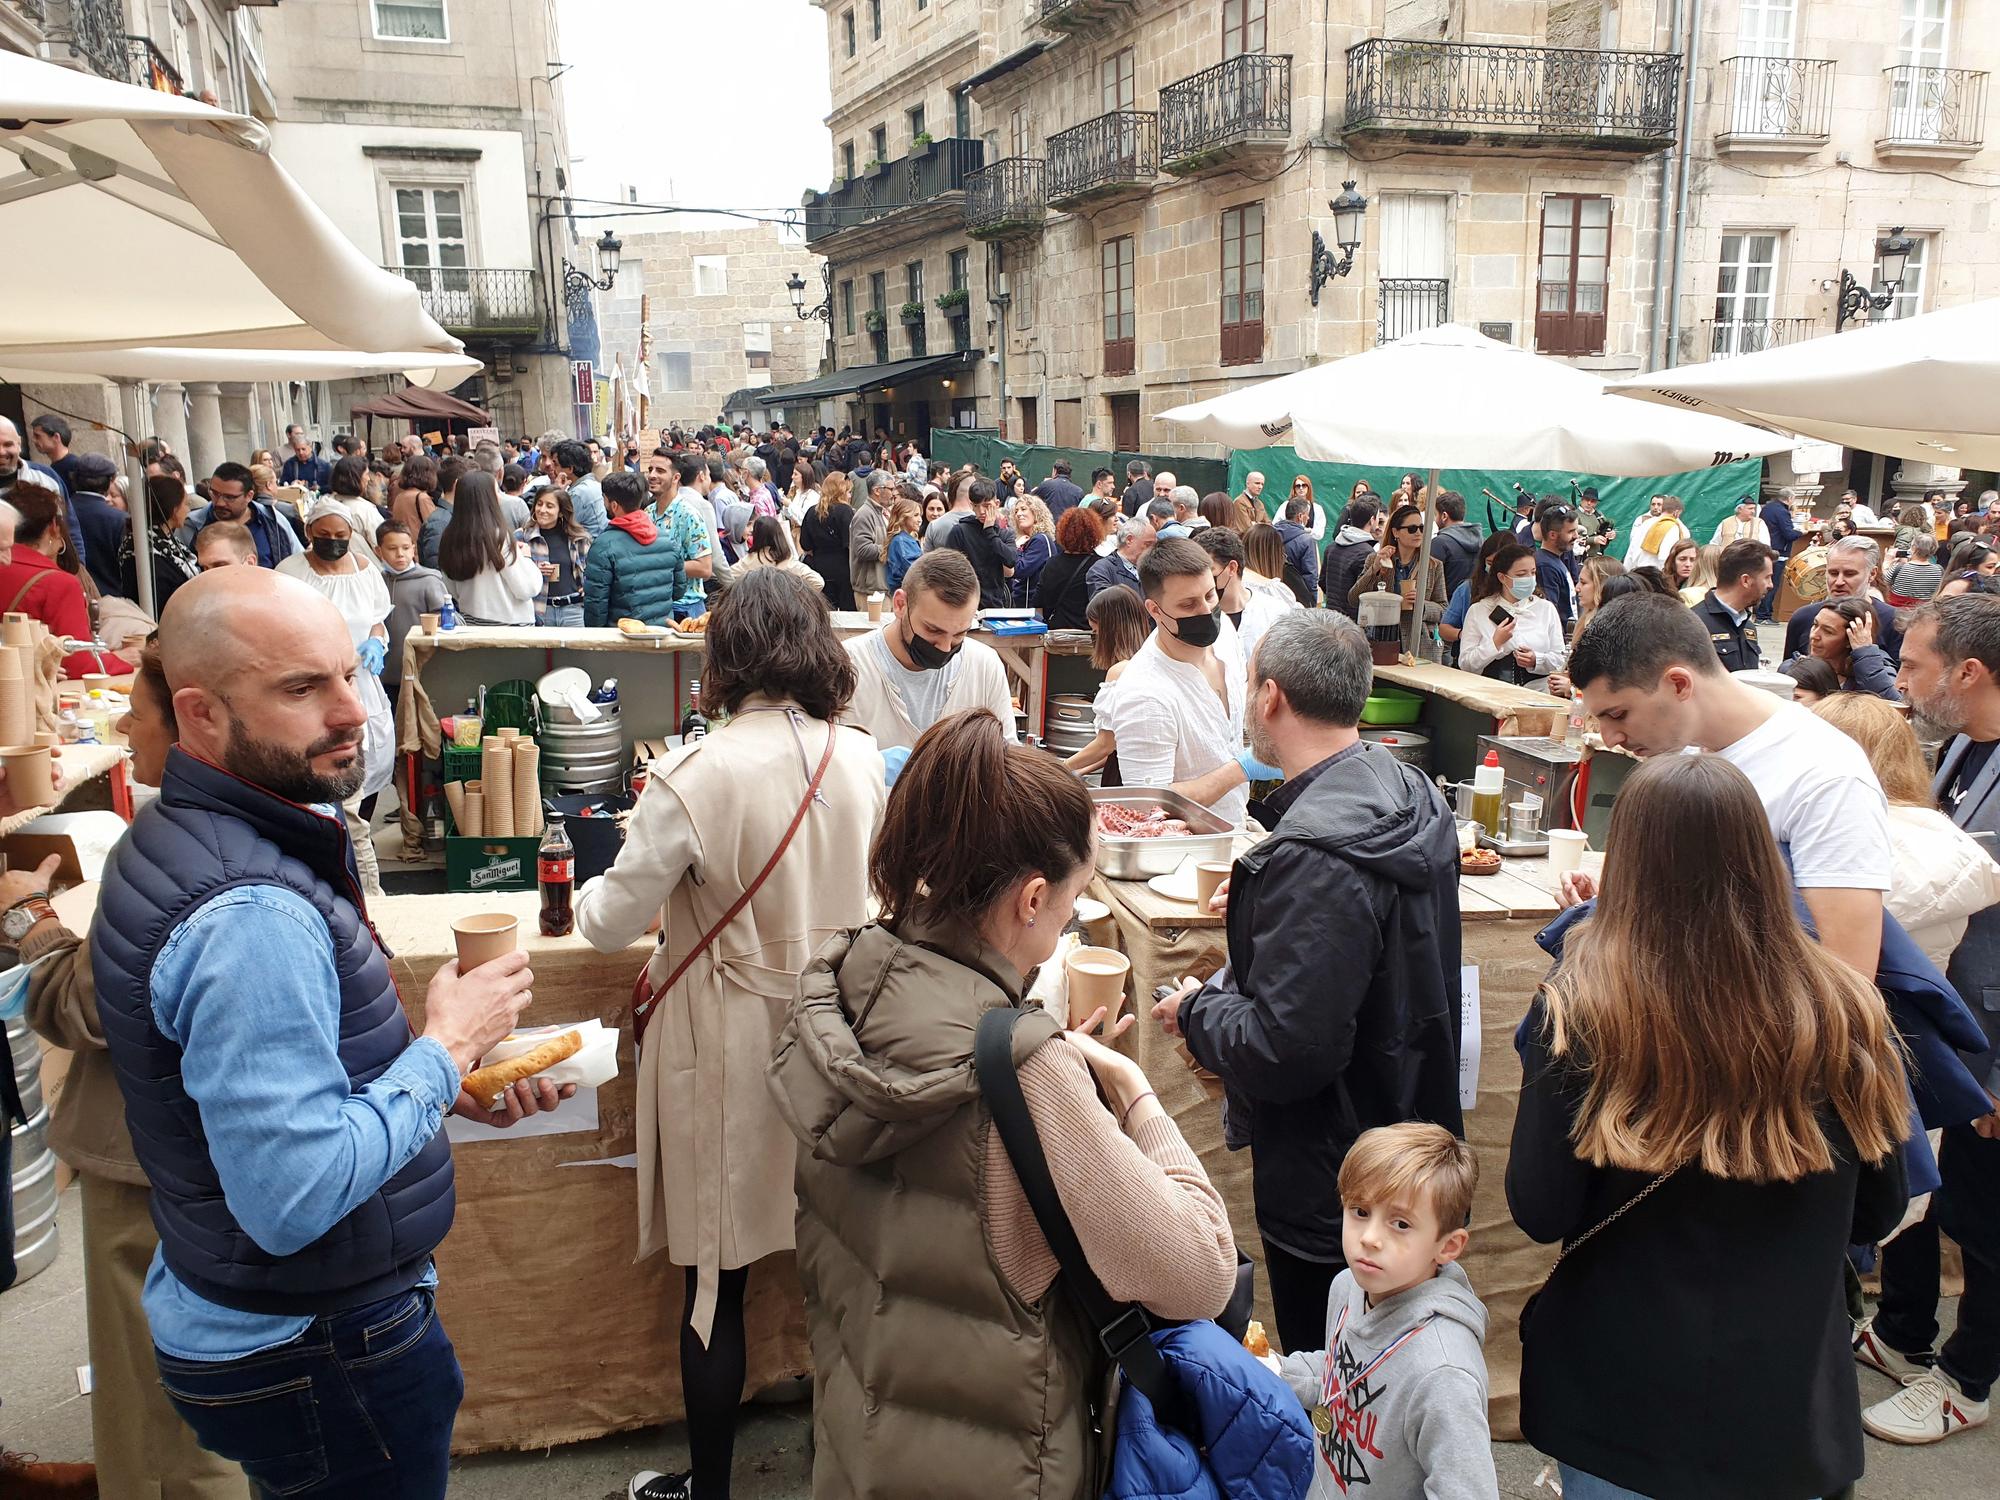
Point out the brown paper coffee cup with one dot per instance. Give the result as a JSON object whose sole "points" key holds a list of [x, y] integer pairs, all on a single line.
{"points": [[1096, 978], [429, 623], [1207, 876], [474, 825], [30, 775], [483, 938]]}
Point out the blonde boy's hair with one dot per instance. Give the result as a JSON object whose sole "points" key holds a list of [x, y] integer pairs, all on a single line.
{"points": [[1412, 1163]]}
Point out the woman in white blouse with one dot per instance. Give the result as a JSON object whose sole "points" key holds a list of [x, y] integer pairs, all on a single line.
{"points": [[1510, 632], [495, 580]]}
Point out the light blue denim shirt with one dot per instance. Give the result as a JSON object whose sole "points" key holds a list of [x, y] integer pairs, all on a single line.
{"points": [[246, 988]]}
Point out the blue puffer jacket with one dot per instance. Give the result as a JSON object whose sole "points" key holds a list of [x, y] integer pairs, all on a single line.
{"points": [[1254, 1442], [633, 571]]}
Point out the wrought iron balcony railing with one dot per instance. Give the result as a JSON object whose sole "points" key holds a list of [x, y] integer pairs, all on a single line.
{"points": [[1114, 152], [1410, 304], [923, 176], [1009, 196], [1463, 88], [1943, 107], [93, 32], [1242, 99], [1779, 98], [478, 299], [1720, 338]]}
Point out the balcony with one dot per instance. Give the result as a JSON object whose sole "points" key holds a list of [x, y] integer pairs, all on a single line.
{"points": [[1557, 100], [1723, 338], [916, 191], [1007, 200], [1410, 304], [1083, 15], [476, 302], [1773, 106], [1111, 157], [1237, 109], [1935, 114]]}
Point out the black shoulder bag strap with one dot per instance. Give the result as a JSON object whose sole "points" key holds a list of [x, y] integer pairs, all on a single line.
{"points": [[1123, 1328]]}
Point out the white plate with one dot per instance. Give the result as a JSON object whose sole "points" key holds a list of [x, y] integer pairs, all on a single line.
{"points": [[1179, 886], [555, 686], [1088, 911]]}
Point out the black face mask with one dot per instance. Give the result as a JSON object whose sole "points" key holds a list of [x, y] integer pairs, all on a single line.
{"points": [[1198, 630], [929, 658], [330, 548]]}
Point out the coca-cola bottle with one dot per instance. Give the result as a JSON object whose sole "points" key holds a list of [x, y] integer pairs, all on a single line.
{"points": [[555, 868]]}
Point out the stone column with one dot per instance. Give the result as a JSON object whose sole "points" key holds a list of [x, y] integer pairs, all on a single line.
{"points": [[236, 412], [1913, 477], [170, 419], [208, 445]]}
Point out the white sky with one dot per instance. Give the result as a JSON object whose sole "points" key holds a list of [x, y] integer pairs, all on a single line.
{"points": [[707, 103]]}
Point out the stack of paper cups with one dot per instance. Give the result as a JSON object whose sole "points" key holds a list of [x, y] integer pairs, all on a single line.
{"points": [[475, 815], [15, 723], [496, 769], [527, 787], [454, 793]]}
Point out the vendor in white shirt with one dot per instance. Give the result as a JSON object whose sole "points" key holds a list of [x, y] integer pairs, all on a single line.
{"points": [[1510, 633], [920, 666], [1178, 715], [1653, 536]]}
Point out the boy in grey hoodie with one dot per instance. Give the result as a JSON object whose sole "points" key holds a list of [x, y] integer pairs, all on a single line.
{"points": [[1398, 1396]]}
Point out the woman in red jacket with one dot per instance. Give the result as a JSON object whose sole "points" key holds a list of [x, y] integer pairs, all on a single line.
{"points": [[40, 577]]}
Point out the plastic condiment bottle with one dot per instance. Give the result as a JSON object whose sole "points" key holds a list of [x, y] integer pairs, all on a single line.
{"points": [[1489, 785]]}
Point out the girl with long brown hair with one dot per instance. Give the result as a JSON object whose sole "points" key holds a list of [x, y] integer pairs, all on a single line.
{"points": [[944, 1342], [1118, 627], [824, 536], [1712, 1109]]}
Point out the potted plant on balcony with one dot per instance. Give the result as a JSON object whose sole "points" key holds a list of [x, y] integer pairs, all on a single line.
{"points": [[921, 145], [953, 303], [873, 320], [810, 198], [874, 168], [913, 312]]}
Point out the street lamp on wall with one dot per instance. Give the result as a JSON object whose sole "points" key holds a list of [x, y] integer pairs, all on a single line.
{"points": [[1856, 301], [1349, 209], [796, 285], [578, 285]]}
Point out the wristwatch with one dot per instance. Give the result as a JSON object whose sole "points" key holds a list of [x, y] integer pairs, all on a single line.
{"points": [[21, 917]]}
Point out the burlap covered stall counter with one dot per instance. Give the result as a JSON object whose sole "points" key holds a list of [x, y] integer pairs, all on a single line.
{"points": [[1500, 915], [562, 1336], [654, 672]]}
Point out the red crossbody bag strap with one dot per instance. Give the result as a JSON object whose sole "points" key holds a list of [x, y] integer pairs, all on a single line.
{"points": [[645, 1002]]}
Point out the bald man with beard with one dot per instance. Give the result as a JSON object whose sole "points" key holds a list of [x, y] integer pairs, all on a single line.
{"points": [[290, 1123]]}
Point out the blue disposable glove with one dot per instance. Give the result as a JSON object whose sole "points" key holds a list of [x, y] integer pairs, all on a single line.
{"points": [[1256, 770], [893, 760], [373, 653]]}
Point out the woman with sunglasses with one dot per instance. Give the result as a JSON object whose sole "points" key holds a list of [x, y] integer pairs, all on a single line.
{"points": [[1393, 566], [1315, 518]]}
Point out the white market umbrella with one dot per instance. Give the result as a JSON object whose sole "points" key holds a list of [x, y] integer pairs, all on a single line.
{"points": [[435, 371], [1451, 398], [134, 218], [1924, 388]]}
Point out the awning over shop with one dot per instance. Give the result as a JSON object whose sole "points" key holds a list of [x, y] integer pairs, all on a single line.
{"points": [[857, 378], [422, 405]]}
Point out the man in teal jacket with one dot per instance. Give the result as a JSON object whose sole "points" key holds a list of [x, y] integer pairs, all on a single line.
{"points": [[634, 571]]}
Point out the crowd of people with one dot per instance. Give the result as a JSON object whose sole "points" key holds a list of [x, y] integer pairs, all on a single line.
{"points": [[1777, 984]]}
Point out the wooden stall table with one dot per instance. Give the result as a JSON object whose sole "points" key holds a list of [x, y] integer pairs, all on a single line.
{"points": [[1461, 706], [1499, 915], [561, 1335]]}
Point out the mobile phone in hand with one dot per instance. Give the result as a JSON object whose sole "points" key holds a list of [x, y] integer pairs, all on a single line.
{"points": [[1499, 616]]}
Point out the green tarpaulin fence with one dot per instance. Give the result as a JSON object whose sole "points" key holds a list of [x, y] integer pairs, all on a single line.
{"points": [[1036, 460], [1710, 494]]}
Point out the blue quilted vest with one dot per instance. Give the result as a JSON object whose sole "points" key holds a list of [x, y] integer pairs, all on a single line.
{"points": [[207, 833]]}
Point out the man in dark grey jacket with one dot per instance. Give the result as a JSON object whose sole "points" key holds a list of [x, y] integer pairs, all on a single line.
{"points": [[1951, 673], [1339, 1008], [1456, 544]]}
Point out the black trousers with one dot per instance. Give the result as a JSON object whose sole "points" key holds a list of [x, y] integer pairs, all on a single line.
{"points": [[1967, 1207], [1298, 1297]]}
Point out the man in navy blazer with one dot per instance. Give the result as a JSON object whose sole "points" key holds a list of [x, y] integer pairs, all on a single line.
{"points": [[1951, 673]]}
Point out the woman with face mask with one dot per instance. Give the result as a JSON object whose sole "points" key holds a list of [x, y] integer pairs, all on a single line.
{"points": [[353, 580], [1510, 633]]}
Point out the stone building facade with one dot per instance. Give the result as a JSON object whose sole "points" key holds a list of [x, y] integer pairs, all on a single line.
{"points": [[719, 319], [1149, 175]]}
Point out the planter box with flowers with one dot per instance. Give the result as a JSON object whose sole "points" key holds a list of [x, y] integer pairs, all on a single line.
{"points": [[954, 303], [913, 312], [875, 169], [873, 321], [921, 145]]}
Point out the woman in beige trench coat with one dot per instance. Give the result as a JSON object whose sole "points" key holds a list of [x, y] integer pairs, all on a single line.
{"points": [[715, 1160]]}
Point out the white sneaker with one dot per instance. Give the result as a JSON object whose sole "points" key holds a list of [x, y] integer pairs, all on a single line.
{"points": [[1876, 1355], [1927, 1410]]}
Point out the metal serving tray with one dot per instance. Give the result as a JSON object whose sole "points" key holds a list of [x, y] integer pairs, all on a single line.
{"points": [[1140, 859]]}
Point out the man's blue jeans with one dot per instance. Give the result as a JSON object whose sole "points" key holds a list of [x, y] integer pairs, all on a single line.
{"points": [[359, 1405]]}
